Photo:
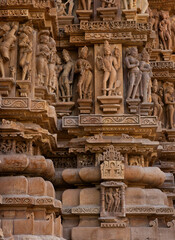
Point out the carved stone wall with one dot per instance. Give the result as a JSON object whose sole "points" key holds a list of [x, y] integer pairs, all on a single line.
{"points": [[87, 125]]}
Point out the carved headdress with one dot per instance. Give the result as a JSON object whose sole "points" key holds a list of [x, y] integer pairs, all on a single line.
{"points": [[144, 54], [107, 46], [83, 52], [155, 82]]}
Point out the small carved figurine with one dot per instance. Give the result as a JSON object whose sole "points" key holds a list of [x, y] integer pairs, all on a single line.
{"points": [[66, 78], [116, 200], [146, 75], [169, 104], [85, 4], [165, 30], [110, 64], [156, 99], [25, 51], [7, 39], [134, 73], [84, 68], [109, 200]]}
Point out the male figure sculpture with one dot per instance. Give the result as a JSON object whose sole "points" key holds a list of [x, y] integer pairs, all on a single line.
{"points": [[110, 65], [66, 77]]}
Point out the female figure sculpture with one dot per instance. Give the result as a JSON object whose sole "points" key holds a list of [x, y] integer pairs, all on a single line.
{"points": [[169, 102], [146, 75], [156, 99], [134, 73], [109, 200], [84, 68], [43, 53], [165, 30]]}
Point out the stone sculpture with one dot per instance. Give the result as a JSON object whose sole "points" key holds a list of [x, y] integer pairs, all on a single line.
{"points": [[25, 51], [116, 195], [62, 8], [66, 77], [108, 3], [156, 99], [51, 65], [134, 73], [85, 4], [165, 30], [84, 69], [110, 64], [7, 40], [146, 70], [169, 104], [109, 200], [112, 200], [43, 52], [136, 4]]}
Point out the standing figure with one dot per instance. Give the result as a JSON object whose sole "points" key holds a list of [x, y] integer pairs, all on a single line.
{"points": [[136, 4], [165, 30], [109, 200], [169, 103], [66, 78], [116, 196], [52, 61], [84, 68], [25, 51], [134, 73], [129, 4], [146, 75], [156, 99], [85, 4], [61, 8], [7, 39], [110, 64], [43, 53]]}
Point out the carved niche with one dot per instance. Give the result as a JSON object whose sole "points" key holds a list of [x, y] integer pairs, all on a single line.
{"points": [[112, 199], [108, 68], [113, 164]]}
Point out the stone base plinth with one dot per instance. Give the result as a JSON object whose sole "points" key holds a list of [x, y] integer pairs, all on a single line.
{"points": [[25, 88], [142, 18], [110, 104], [171, 134], [155, 54], [5, 86], [145, 108], [65, 20], [85, 105], [166, 54], [42, 93], [133, 105], [107, 14], [130, 14], [63, 108], [84, 15]]}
